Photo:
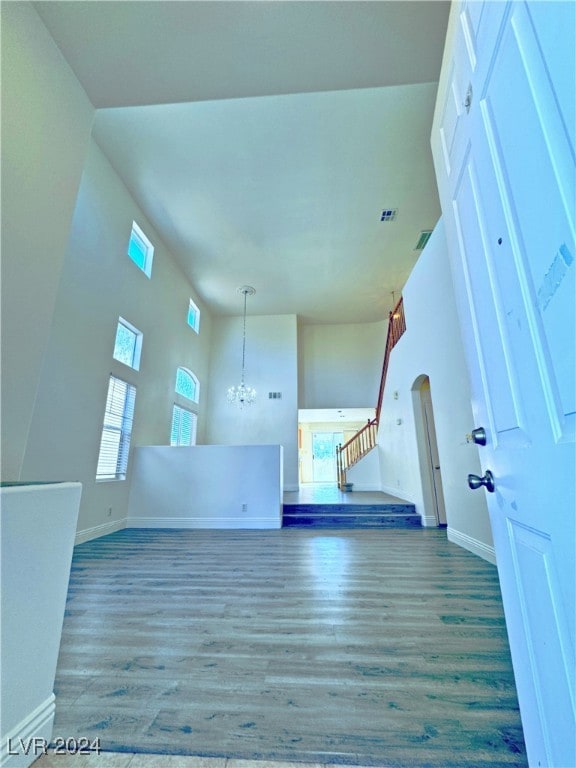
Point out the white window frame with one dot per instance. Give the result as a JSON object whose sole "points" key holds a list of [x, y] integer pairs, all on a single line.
{"points": [[138, 235], [116, 431], [137, 351], [178, 413], [195, 312]]}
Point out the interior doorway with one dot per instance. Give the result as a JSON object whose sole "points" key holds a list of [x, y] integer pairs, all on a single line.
{"points": [[313, 464], [324, 456], [431, 470]]}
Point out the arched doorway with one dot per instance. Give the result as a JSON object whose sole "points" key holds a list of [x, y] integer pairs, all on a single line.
{"points": [[430, 469]]}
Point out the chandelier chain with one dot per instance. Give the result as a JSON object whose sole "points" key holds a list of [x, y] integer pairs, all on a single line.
{"points": [[243, 395], [245, 292]]}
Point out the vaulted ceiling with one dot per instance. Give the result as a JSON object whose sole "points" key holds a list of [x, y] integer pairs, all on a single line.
{"points": [[263, 139]]}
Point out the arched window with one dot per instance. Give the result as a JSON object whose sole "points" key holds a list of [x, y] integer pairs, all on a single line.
{"points": [[187, 384]]}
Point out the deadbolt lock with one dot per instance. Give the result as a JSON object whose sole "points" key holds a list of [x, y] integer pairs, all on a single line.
{"points": [[479, 436]]}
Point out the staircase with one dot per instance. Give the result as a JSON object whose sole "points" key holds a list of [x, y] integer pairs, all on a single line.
{"points": [[365, 439], [401, 515], [353, 511]]}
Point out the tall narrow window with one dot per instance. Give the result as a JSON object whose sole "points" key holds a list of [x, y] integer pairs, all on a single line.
{"points": [[193, 316], [187, 384], [116, 431], [128, 344], [140, 250], [183, 430]]}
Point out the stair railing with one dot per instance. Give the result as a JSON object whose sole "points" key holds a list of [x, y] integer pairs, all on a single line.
{"points": [[396, 327], [365, 439], [354, 449]]}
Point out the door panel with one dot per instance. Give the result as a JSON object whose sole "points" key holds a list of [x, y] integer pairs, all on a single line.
{"points": [[548, 639], [542, 153], [495, 370], [507, 192]]}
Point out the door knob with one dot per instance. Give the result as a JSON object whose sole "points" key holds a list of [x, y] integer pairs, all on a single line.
{"points": [[475, 482], [479, 436]]}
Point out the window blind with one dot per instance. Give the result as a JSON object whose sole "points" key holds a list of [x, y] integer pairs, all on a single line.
{"points": [[183, 430], [116, 431]]}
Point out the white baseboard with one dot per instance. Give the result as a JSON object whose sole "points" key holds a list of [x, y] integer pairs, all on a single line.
{"points": [[429, 521], [30, 736], [99, 530], [485, 551], [365, 486], [207, 523]]}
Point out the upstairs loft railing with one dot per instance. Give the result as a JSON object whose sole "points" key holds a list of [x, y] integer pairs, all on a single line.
{"points": [[396, 327], [365, 439]]}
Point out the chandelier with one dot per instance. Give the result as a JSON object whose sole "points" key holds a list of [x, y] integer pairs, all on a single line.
{"points": [[243, 395]]}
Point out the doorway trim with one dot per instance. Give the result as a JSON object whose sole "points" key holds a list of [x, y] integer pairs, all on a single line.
{"points": [[432, 493]]}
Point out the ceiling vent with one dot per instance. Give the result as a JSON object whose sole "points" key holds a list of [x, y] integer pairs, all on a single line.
{"points": [[423, 239], [389, 214]]}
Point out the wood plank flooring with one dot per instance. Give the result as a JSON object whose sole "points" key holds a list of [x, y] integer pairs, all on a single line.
{"points": [[329, 493], [362, 647]]}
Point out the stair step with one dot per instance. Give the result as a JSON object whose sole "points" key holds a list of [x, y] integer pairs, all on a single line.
{"points": [[350, 509], [352, 521], [351, 516]]}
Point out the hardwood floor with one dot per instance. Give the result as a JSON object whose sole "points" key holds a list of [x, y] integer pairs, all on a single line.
{"points": [[360, 647], [329, 493]]}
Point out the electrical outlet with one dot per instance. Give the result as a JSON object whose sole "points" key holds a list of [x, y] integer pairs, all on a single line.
{"points": [[109, 511], [244, 507]]}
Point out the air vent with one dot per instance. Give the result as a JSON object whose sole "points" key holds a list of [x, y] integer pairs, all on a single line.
{"points": [[423, 239], [389, 214], [274, 395]]}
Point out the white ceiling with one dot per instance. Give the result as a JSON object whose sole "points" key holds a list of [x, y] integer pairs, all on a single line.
{"points": [[263, 139]]}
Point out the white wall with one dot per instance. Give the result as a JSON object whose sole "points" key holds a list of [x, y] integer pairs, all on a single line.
{"points": [[98, 284], [209, 486], [365, 475], [432, 346], [38, 527], [340, 365], [46, 122], [271, 366]]}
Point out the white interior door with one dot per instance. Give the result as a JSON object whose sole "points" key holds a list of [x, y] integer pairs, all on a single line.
{"points": [[432, 450], [504, 150]]}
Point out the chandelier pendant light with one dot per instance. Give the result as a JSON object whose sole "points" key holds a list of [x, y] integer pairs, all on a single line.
{"points": [[243, 395]]}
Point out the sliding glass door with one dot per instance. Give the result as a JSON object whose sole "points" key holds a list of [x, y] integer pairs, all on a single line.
{"points": [[324, 456]]}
